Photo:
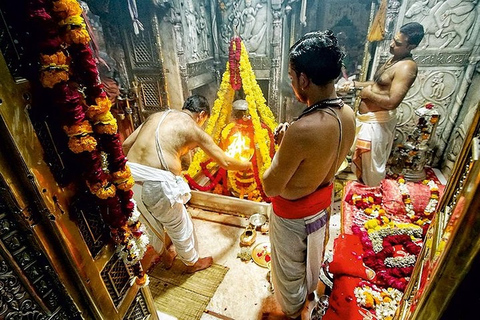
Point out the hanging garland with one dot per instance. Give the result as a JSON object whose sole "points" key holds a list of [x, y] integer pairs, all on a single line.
{"points": [[234, 63], [69, 75]]}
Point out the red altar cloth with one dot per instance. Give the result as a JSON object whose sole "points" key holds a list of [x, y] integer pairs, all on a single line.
{"points": [[349, 270]]}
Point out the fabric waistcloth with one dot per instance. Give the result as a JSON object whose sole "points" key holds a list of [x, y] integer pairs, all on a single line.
{"points": [[297, 247], [174, 187], [377, 116], [373, 143], [305, 206], [160, 197]]}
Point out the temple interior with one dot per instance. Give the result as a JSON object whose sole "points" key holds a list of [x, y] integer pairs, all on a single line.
{"points": [[78, 77]]}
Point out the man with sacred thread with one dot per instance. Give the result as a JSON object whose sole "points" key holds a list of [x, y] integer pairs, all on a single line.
{"points": [[300, 178], [154, 151], [376, 117]]}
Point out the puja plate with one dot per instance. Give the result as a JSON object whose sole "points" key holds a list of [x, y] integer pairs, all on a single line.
{"points": [[257, 219], [261, 254]]}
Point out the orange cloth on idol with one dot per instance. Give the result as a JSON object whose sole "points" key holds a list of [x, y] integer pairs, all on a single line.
{"points": [[303, 207]]}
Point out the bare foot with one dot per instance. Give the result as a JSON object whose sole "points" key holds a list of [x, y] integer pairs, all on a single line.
{"points": [[150, 259], [308, 307], [168, 257], [202, 263]]}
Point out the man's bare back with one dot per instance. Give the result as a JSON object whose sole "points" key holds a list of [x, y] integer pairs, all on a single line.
{"points": [[175, 136], [307, 165]]}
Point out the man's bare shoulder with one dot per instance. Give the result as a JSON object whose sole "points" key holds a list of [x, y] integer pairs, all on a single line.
{"points": [[312, 127], [406, 66]]}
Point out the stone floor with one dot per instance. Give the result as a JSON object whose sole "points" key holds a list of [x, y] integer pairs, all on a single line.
{"points": [[245, 293]]}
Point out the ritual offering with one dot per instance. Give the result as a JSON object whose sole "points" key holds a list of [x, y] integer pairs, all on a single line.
{"points": [[261, 254], [257, 220]]}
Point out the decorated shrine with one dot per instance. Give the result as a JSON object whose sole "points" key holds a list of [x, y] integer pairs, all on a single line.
{"points": [[249, 137]]}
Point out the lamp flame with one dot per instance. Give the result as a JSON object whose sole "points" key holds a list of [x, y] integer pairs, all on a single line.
{"points": [[239, 147]]}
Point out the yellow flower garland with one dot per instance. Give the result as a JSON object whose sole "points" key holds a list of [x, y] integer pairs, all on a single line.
{"points": [[258, 111]]}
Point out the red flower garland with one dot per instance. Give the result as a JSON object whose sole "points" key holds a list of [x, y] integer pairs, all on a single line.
{"points": [[394, 277], [364, 201], [86, 132], [234, 63]]}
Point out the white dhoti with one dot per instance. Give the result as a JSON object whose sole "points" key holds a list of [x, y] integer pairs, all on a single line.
{"points": [[373, 143], [160, 197], [297, 253]]}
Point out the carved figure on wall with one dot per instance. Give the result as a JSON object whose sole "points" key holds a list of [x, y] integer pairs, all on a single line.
{"points": [[248, 18], [225, 35], [455, 18], [255, 44], [191, 17], [202, 30], [392, 13], [235, 17], [449, 18], [437, 86]]}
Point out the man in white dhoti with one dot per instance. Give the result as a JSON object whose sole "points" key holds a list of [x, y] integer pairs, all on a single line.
{"points": [[154, 154], [376, 117], [302, 171]]}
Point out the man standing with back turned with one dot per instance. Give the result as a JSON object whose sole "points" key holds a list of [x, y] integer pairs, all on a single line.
{"points": [[376, 118], [154, 154], [300, 177]]}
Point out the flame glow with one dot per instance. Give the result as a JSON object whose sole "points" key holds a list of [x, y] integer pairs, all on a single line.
{"points": [[239, 147]]}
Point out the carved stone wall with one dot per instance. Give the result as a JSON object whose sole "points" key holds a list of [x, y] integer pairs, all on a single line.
{"points": [[447, 59], [202, 33]]}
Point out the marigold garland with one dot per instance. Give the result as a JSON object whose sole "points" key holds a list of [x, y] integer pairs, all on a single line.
{"points": [[91, 128]]}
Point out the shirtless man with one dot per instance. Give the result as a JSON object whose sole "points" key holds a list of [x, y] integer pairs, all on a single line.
{"points": [[154, 154], [302, 171], [376, 118]]}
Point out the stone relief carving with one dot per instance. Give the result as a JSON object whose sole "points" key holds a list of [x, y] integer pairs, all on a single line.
{"points": [[392, 13], [439, 85], [192, 29], [433, 86], [445, 21], [247, 19], [248, 16], [203, 31]]}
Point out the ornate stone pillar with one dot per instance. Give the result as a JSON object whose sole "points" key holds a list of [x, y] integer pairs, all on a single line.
{"points": [[276, 55]]}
